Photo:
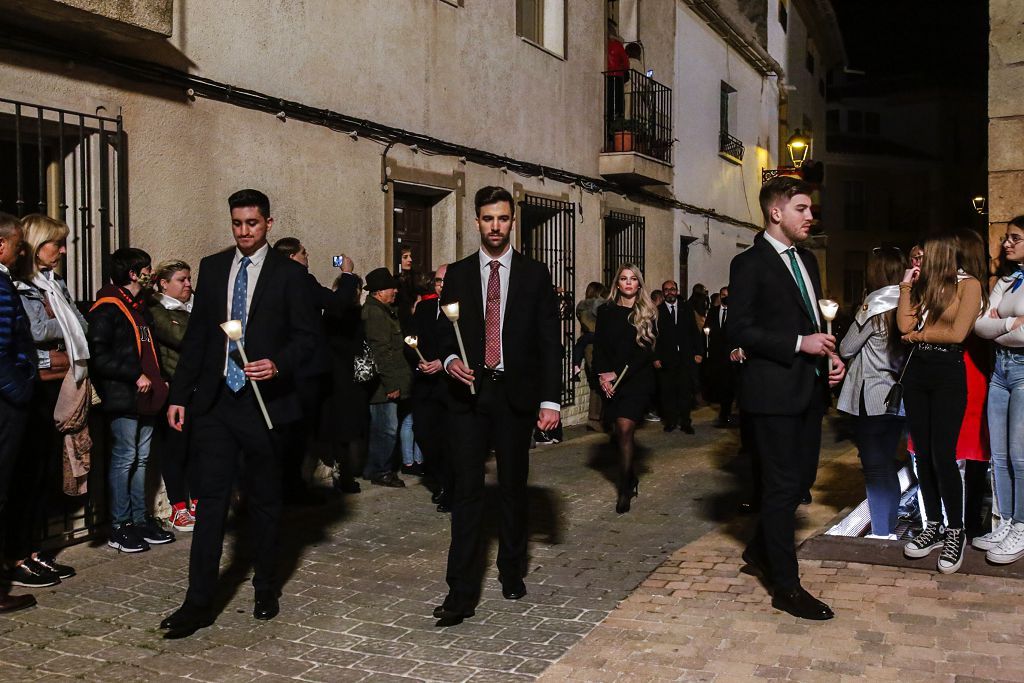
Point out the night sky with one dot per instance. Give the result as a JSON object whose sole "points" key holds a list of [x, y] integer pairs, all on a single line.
{"points": [[936, 41]]}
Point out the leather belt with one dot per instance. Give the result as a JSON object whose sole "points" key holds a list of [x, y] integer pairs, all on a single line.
{"points": [[1010, 350]]}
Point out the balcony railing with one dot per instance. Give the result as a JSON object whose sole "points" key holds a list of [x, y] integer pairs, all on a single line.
{"points": [[638, 115], [730, 146]]}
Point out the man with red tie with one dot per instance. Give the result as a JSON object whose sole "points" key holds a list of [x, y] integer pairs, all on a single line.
{"points": [[509, 382]]}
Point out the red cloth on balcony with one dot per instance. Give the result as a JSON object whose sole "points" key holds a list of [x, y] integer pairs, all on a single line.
{"points": [[618, 60]]}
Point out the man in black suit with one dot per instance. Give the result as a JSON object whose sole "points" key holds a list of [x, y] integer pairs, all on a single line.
{"points": [[676, 355], [509, 321], [269, 294], [774, 318], [721, 370]]}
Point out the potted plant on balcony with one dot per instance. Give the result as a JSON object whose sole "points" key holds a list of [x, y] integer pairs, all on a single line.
{"points": [[622, 131]]}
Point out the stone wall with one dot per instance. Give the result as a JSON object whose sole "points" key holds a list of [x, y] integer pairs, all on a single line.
{"points": [[1006, 116]]}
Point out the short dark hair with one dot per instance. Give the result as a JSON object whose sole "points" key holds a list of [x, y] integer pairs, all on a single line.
{"points": [[492, 194], [125, 261], [8, 225], [778, 187], [245, 198], [289, 246]]}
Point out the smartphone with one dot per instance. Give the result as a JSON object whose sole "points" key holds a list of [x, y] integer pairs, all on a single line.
{"points": [[338, 261]]}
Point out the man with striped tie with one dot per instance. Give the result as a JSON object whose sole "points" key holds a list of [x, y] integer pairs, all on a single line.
{"points": [[268, 293], [509, 382]]}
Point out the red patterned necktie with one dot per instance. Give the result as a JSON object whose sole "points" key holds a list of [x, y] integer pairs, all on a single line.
{"points": [[492, 322]]}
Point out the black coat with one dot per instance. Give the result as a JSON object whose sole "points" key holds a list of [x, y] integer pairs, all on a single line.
{"points": [[347, 413], [283, 325], [679, 341], [766, 313], [530, 335], [114, 364], [426, 324]]}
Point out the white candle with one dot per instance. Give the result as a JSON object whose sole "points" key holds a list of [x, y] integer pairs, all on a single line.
{"points": [[829, 309], [451, 311], [233, 330], [413, 343]]}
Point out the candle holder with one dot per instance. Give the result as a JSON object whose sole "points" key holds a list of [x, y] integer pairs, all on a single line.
{"points": [[619, 378], [829, 309], [451, 311], [413, 343], [233, 330]]}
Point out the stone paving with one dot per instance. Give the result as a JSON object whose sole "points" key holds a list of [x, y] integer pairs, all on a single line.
{"points": [[365, 572]]}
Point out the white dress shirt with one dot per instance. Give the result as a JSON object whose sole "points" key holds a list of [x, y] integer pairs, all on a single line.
{"points": [[504, 269], [782, 249], [254, 270]]}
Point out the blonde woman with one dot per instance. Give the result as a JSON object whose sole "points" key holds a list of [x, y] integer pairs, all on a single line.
{"points": [[59, 333], [624, 347]]}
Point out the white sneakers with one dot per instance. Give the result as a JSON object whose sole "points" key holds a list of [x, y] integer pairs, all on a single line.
{"points": [[993, 538], [1011, 547]]}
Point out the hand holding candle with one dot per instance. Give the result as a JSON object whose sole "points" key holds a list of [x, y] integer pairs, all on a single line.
{"points": [[413, 343], [451, 311], [233, 330], [829, 309]]}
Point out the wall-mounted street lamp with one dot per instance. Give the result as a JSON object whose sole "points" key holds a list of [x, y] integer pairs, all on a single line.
{"points": [[798, 145], [979, 204]]}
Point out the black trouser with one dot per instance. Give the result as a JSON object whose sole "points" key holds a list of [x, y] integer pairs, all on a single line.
{"points": [[172, 447], [787, 447], [491, 423], [12, 427], [36, 473], [675, 391], [725, 388], [234, 425], [935, 398], [428, 425]]}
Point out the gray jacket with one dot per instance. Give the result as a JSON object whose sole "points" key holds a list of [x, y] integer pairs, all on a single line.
{"points": [[874, 369], [46, 332]]}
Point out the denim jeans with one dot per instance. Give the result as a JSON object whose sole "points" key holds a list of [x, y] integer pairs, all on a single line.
{"points": [[383, 435], [411, 452], [131, 436], [1006, 429], [878, 437]]}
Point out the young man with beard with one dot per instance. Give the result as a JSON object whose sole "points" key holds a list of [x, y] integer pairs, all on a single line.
{"points": [[509, 321], [773, 317]]}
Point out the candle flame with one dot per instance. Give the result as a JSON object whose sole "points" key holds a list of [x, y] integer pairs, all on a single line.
{"points": [[451, 310], [233, 329], [829, 309]]}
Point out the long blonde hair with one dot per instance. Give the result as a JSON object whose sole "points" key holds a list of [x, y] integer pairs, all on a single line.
{"points": [[644, 313], [39, 229]]}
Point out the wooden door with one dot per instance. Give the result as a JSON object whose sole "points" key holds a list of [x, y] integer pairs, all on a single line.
{"points": [[412, 228]]}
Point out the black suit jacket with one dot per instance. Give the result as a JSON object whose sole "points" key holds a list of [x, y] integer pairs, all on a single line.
{"points": [[766, 313], [681, 334], [718, 337], [283, 325], [426, 325], [530, 335]]}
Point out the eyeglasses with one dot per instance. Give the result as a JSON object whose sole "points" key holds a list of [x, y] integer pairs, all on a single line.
{"points": [[1013, 239]]}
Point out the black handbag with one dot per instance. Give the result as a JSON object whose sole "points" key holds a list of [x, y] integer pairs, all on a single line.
{"points": [[894, 399]]}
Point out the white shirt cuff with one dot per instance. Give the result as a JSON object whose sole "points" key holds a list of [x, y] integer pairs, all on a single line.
{"points": [[549, 405], [799, 341], [448, 361]]}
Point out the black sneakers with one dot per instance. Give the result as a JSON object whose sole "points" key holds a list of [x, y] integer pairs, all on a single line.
{"points": [[952, 555], [127, 539], [930, 538], [30, 575], [153, 533]]}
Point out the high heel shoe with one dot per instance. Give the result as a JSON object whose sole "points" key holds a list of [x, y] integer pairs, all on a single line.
{"points": [[625, 496]]}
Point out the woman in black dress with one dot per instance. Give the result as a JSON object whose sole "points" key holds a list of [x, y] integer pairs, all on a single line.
{"points": [[624, 346]]}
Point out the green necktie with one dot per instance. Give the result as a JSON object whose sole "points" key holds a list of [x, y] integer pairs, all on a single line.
{"points": [[800, 283]]}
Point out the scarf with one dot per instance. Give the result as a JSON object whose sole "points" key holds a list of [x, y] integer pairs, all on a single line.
{"points": [[172, 304], [74, 336], [71, 417], [879, 301], [1016, 279]]}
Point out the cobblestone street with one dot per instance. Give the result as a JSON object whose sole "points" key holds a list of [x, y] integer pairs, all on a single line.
{"points": [[365, 572]]}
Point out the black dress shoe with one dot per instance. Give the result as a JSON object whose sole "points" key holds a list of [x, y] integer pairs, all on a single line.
{"points": [[669, 428], [437, 496], [267, 606], [757, 565], [749, 508], [688, 429], [185, 621], [13, 603], [452, 612], [802, 604], [513, 590], [391, 480], [444, 507], [806, 499]]}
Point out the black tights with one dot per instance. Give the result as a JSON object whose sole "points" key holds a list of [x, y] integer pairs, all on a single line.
{"points": [[624, 434]]}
